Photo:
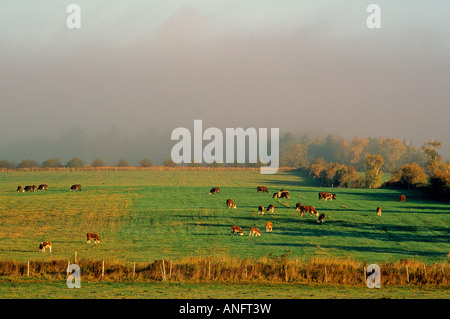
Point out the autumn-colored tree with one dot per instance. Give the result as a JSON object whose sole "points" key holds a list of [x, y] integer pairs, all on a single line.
{"points": [[373, 164], [410, 175], [317, 166], [430, 150], [392, 150]]}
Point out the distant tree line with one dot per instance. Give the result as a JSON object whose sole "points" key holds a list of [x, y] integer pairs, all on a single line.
{"points": [[358, 162], [72, 163]]}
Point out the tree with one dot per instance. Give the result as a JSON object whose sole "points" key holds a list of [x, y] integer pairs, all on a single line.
{"points": [[430, 149], [146, 162], [169, 163], [52, 162], [317, 166], [410, 175], [28, 164], [6, 164], [75, 162], [372, 165], [294, 156], [122, 163], [97, 163]]}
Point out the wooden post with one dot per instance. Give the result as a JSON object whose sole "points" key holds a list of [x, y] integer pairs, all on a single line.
{"points": [[75, 256], [28, 268], [285, 273], [164, 268], [365, 274], [134, 269], [170, 271], [407, 274], [103, 268], [326, 279], [209, 270]]}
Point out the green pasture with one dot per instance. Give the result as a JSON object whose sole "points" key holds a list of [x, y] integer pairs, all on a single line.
{"points": [[145, 215]]}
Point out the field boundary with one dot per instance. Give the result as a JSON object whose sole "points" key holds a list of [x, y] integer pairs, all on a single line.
{"points": [[236, 270], [137, 168]]}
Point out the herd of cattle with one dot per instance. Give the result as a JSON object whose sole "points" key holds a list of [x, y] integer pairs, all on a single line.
{"points": [[43, 187], [254, 231], [302, 209]]}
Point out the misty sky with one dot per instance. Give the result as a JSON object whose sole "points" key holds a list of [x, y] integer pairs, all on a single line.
{"points": [[136, 70]]}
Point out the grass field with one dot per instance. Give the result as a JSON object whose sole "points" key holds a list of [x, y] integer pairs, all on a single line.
{"points": [[147, 215]]}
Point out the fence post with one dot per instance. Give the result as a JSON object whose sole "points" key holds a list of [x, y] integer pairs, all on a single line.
{"points": [[103, 268], [28, 268], [75, 257], [407, 274], [326, 279], [134, 269]]}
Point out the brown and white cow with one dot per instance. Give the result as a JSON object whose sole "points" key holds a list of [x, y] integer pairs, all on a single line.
{"points": [[237, 229], [402, 198], [75, 187], [214, 190], [28, 188], [321, 218], [19, 189], [270, 208], [261, 209], [262, 189], [42, 187], [309, 209], [44, 245], [231, 204], [92, 236], [269, 226], [379, 211], [254, 232], [281, 194]]}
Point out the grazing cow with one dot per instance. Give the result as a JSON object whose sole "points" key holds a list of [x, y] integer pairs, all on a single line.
{"points": [[270, 208], [75, 187], [281, 194], [237, 229], [19, 189], [379, 211], [285, 194], [321, 218], [34, 188], [309, 209], [231, 204], [92, 236], [44, 245], [402, 198], [321, 195], [28, 188], [334, 196], [261, 210], [215, 190], [269, 226], [42, 187], [254, 232], [262, 189]]}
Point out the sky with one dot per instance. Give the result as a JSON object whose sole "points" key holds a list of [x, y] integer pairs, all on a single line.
{"points": [[136, 70]]}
